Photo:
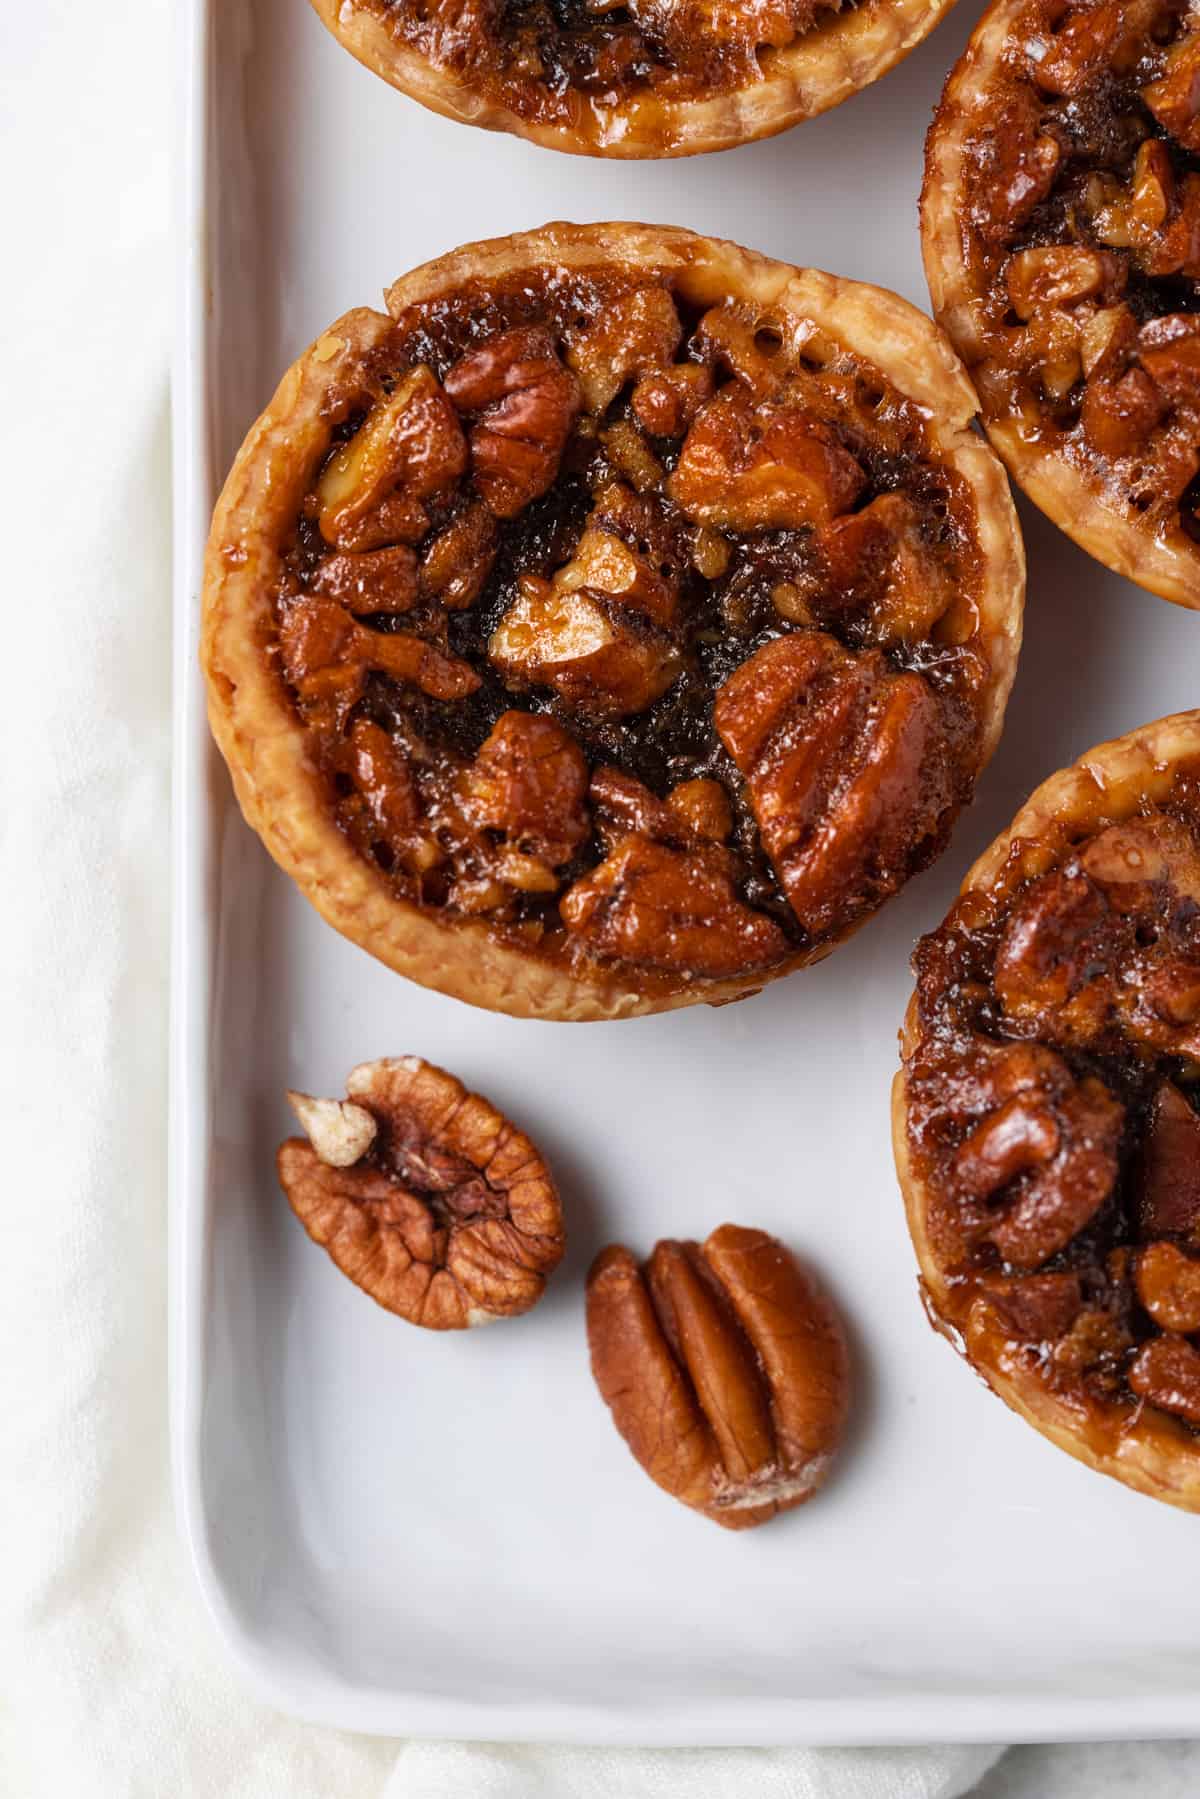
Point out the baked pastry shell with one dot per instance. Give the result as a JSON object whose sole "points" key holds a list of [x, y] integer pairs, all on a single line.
{"points": [[1153, 1453], [1164, 566], [280, 790], [819, 70]]}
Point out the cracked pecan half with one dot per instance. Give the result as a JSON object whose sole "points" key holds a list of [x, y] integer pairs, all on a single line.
{"points": [[424, 1195], [725, 1368], [1047, 1115]]}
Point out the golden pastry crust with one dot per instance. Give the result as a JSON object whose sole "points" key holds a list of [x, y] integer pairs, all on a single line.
{"points": [[280, 787], [843, 51], [1106, 1427], [1085, 481]]}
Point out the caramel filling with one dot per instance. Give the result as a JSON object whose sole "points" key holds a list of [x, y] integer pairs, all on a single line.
{"points": [[644, 634]]}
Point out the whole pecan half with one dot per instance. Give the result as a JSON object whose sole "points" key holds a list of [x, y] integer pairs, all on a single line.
{"points": [[725, 1368], [424, 1195], [847, 770]]}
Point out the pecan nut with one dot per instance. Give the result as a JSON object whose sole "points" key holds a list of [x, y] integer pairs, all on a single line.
{"points": [[529, 782], [761, 467], [1168, 1188], [1166, 1373], [1040, 1162], [662, 906], [632, 335], [524, 403], [725, 1368], [411, 441], [424, 1196], [318, 636], [1108, 945], [846, 767]]}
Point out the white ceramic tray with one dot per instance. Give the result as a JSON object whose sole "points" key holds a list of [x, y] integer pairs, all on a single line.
{"points": [[444, 1535]]}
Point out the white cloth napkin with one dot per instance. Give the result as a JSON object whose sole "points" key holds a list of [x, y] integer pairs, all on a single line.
{"points": [[113, 1682]]}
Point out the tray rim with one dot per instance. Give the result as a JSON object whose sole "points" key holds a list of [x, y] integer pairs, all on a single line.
{"points": [[913, 1717]]}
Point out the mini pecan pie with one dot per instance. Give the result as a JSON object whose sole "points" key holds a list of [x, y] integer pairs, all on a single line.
{"points": [[643, 78], [424, 1195], [1047, 1117], [725, 1368], [1061, 224], [616, 622]]}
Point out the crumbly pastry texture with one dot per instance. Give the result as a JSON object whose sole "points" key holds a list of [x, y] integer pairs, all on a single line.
{"points": [[613, 623], [643, 79], [1047, 1113], [1061, 230]]}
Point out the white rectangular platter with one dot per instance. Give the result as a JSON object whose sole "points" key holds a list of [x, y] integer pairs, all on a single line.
{"points": [[403, 1532]]}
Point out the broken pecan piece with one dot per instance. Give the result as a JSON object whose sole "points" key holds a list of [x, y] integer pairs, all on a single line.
{"points": [[1107, 941], [1168, 1189], [725, 1368], [846, 767], [1166, 1373], [529, 782], [424, 1196], [1035, 1170], [377, 581], [604, 659], [758, 467], [1174, 98], [524, 403], [412, 440], [677, 909], [457, 563], [634, 334], [1168, 1285], [317, 636], [877, 562]]}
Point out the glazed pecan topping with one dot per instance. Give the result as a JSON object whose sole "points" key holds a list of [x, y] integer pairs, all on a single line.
{"points": [[320, 639], [529, 782], [1038, 1166], [1168, 1188], [424, 1196], [725, 1368], [657, 906], [412, 441], [639, 334], [845, 766], [523, 402], [1166, 1372], [1110, 941], [749, 467]]}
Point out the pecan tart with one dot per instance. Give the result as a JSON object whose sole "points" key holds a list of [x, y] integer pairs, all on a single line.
{"points": [[615, 622], [1047, 1116], [1061, 228], [648, 78]]}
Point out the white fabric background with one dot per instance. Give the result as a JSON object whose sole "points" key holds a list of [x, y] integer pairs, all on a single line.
{"points": [[113, 1683]]}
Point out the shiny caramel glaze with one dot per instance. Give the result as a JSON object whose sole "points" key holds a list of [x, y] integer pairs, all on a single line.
{"points": [[619, 627], [1062, 242], [1048, 1119]]}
